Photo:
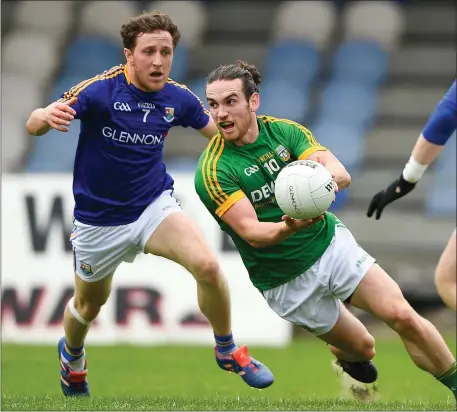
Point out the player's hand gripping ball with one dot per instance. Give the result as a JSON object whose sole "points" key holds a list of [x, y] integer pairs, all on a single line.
{"points": [[304, 189]]}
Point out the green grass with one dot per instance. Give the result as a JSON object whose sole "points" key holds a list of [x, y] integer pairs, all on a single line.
{"points": [[180, 378]]}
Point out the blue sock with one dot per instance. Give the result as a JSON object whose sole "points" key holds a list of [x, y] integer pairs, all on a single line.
{"points": [[225, 344], [72, 354]]}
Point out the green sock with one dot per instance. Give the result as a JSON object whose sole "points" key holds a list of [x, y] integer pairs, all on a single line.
{"points": [[449, 378]]}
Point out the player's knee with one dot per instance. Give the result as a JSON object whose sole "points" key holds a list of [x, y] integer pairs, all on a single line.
{"points": [[366, 347], [404, 319], [88, 309], [445, 277], [207, 270]]}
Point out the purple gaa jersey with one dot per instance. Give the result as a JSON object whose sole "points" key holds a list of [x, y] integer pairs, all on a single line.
{"points": [[119, 167]]}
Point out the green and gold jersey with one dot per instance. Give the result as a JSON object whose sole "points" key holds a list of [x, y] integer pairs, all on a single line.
{"points": [[227, 173]]}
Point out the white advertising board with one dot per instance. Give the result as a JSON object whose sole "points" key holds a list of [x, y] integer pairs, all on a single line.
{"points": [[153, 300]]}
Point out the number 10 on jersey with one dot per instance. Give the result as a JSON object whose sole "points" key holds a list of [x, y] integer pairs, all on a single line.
{"points": [[272, 166]]}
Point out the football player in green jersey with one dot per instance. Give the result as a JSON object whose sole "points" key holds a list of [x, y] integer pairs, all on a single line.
{"points": [[304, 269]]}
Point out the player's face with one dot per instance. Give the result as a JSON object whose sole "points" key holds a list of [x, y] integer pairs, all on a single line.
{"points": [[151, 60], [231, 111]]}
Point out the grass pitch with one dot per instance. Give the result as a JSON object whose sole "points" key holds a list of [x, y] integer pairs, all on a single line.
{"points": [[187, 378]]}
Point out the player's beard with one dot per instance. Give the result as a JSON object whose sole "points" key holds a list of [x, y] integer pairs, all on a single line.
{"points": [[242, 134]]}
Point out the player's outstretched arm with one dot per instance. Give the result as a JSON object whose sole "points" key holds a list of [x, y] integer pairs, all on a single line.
{"points": [[439, 128], [55, 116], [210, 130], [241, 217]]}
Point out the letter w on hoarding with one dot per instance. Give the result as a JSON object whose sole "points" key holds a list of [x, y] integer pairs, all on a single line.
{"points": [[40, 231]]}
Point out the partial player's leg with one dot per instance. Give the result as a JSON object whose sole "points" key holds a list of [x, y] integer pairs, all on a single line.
{"points": [[445, 274], [81, 311], [97, 253], [349, 340], [83, 308], [380, 295], [177, 238], [354, 348], [309, 301]]}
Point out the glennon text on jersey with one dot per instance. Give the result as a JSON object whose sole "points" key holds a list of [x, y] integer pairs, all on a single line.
{"points": [[123, 136]]}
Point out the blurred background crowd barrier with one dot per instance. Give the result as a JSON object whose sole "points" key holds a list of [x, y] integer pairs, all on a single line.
{"points": [[363, 76]]}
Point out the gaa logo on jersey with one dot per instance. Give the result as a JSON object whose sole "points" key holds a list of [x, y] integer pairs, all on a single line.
{"points": [[283, 153], [169, 114]]}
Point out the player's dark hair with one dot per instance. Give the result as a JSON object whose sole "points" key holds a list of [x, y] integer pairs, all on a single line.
{"points": [[148, 23], [247, 73]]}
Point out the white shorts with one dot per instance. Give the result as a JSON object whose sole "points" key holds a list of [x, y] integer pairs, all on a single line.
{"points": [[312, 300], [99, 250]]}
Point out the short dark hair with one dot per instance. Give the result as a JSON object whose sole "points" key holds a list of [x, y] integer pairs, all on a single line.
{"points": [[148, 23], [247, 73]]}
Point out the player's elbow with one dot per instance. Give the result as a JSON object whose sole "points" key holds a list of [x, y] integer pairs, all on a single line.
{"points": [[29, 126], [253, 238], [345, 179], [36, 125], [31, 130], [256, 245], [258, 241]]}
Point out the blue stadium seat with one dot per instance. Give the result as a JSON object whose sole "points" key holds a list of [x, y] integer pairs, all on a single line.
{"points": [[281, 98], [54, 152], [198, 87], [180, 64], [91, 55], [441, 200], [346, 142], [295, 60], [349, 103], [364, 62]]}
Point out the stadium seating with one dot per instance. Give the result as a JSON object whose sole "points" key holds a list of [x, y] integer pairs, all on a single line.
{"points": [[344, 141], [323, 63], [301, 30], [307, 20], [198, 87], [43, 20], [190, 17], [283, 99], [348, 103], [378, 21], [105, 18], [14, 143], [30, 58], [302, 63], [180, 63], [54, 152], [360, 63], [20, 95], [91, 54], [29, 54]]}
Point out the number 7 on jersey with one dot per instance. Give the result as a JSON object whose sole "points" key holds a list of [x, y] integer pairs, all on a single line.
{"points": [[146, 112]]}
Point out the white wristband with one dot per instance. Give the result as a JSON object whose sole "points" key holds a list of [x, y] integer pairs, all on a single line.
{"points": [[413, 170]]}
